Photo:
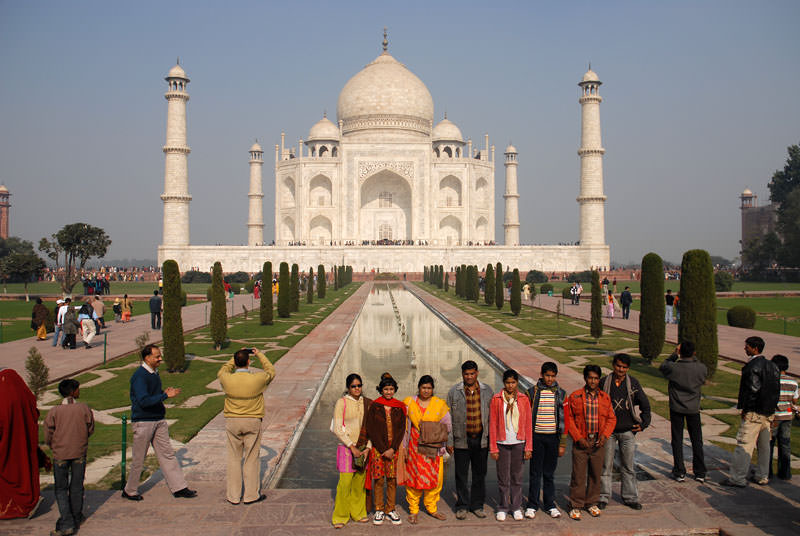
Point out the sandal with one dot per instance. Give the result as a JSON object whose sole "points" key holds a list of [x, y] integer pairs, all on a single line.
{"points": [[363, 520], [438, 515], [593, 510], [575, 514], [338, 525], [412, 519]]}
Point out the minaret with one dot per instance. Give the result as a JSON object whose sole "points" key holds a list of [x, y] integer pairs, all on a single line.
{"points": [[176, 172], [511, 223], [591, 199], [4, 215], [255, 220]]}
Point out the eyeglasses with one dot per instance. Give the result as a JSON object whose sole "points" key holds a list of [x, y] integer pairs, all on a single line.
{"points": [[355, 386]]}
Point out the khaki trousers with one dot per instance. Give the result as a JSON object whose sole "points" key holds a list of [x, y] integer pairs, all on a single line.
{"points": [[587, 470], [244, 440], [89, 330], [753, 425], [156, 433]]}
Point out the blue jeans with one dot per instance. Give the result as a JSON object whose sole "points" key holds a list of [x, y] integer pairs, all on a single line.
{"points": [[69, 491], [627, 467], [782, 435], [542, 471], [58, 331]]}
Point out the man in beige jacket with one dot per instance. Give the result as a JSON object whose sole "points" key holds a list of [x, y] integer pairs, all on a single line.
{"points": [[244, 409]]}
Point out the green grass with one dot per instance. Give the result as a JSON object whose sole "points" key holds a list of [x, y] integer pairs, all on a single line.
{"points": [[675, 285], [118, 288]]}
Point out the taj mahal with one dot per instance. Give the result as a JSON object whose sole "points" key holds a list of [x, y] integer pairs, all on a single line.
{"points": [[384, 188]]}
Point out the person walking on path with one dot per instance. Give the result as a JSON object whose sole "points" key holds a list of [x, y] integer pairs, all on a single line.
{"points": [[759, 391], [428, 417], [99, 310], [70, 326], [547, 416], [150, 427], [625, 300], [127, 308], [510, 443], [67, 430], [347, 424], [686, 377], [244, 409], [155, 311], [632, 412], [782, 425], [669, 300], [590, 422], [469, 401], [87, 317], [116, 307], [58, 332], [39, 320]]}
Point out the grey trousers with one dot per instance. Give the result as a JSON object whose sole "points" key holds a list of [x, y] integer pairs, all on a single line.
{"points": [[156, 433], [509, 477], [627, 454]]}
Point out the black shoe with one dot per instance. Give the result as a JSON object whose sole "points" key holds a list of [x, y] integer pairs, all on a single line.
{"points": [[730, 483], [602, 505], [260, 498], [186, 493], [634, 505], [479, 513], [136, 497]]}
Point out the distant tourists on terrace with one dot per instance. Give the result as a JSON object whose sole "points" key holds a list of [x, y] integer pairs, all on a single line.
{"points": [[39, 320], [349, 419], [127, 308]]}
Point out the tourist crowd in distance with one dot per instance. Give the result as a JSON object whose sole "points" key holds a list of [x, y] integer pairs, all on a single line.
{"points": [[86, 318], [385, 443]]}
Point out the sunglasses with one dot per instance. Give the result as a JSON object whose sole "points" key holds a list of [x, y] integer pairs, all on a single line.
{"points": [[355, 386]]}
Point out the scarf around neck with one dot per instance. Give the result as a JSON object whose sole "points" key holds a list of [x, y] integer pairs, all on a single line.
{"points": [[512, 410], [393, 403]]}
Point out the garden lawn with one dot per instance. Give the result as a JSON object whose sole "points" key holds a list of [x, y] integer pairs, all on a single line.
{"points": [[117, 288]]}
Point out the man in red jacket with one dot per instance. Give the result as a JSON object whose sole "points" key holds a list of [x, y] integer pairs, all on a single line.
{"points": [[590, 422]]}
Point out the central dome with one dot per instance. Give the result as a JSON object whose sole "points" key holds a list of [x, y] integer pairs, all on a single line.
{"points": [[385, 94]]}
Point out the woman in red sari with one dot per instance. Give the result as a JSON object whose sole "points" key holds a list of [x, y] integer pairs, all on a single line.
{"points": [[424, 473], [19, 438]]}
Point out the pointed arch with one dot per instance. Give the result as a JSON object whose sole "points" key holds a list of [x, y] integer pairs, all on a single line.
{"points": [[450, 230], [320, 230], [385, 199], [320, 191], [287, 229], [481, 229], [450, 191], [288, 195]]}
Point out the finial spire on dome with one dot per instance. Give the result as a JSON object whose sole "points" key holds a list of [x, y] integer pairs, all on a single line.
{"points": [[325, 114], [385, 41], [178, 60], [445, 114]]}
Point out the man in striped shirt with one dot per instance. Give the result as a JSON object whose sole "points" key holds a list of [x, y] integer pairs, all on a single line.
{"points": [[782, 424]]}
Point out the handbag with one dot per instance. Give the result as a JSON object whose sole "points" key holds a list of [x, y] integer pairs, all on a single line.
{"points": [[432, 437], [345, 461]]}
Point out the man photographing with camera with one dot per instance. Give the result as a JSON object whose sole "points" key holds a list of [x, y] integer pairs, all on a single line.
{"points": [[244, 409]]}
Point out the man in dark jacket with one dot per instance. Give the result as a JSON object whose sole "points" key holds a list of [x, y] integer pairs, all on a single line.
{"points": [[626, 299], [686, 376], [626, 394], [155, 311], [759, 390]]}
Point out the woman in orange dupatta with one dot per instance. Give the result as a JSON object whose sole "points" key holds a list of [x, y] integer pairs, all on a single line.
{"points": [[424, 474]]}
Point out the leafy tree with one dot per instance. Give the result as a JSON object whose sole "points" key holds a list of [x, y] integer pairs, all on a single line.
{"points": [[284, 284], [265, 310], [321, 282], [761, 253], [37, 371], [310, 286], [237, 277], [651, 317], [789, 227], [72, 247], [698, 303], [516, 294], [294, 290], [476, 284], [596, 324], [21, 266], [785, 181], [219, 316], [499, 294], [172, 328], [535, 276], [193, 276], [488, 289], [447, 282], [723, 281]]}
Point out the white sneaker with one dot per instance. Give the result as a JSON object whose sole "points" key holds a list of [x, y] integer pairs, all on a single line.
{"points": [[500, 516], [554, 513], [518, 515], [394, 518], [530, 513], [378, 519]]}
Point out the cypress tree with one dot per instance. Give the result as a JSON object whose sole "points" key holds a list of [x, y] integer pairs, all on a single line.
{"points": [[425, 274], [440, 278], [499, 295], [172, 331], [321, 282], [516, 294], [342, 281], [596, 325], [447, 282], [433, 275], [470, 289], [335, 278], [349, 273], [651, 316], [476, 284], [219, 316], [265, 311], [464, 281], [698, 307], [488, 289], [310, 286], [284, 285], [294, 290], [458, 281]]}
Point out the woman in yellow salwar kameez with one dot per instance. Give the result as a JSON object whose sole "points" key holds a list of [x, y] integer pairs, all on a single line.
{"points": [[347, 423], [424, 473]]}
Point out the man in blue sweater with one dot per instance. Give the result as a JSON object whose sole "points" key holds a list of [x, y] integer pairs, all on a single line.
{"points": [[149, 427]]}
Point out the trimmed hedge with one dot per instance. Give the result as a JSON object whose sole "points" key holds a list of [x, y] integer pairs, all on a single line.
{"points": [[193, 276], [565, 293], [265, 309], [310, 286], [499, 295], [488, 289], [283, 291], [172, 326], [219, 316], [321, 281], [544, 288], [741, 316], [516, 296], [723, 281], [535, 276], [652, 329], [596, 324], [237, 277], [698, 305], [294, 290]]}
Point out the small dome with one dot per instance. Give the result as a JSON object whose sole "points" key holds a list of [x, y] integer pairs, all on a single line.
{"points": [[177, 72], [3, 188], [446, 130], [511, 149], [591, 76], [324, 129], [747, 192], [256, 147]]}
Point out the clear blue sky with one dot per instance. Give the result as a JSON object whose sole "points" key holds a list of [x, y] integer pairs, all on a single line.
{"points": [[701, 101]]}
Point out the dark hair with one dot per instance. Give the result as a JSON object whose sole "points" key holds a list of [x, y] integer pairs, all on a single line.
{"points": [[469, 365], [755, 342], [350, 378], [67, 300], [624, 358], [155, 292], [242, 357], [626, 288], [549, 366], [781, 361], [426, 379], [591, 368], [67, 387], [39, 301], [669, 291], [687, 349], [147, 350], [510, 373], [386, 379]]}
